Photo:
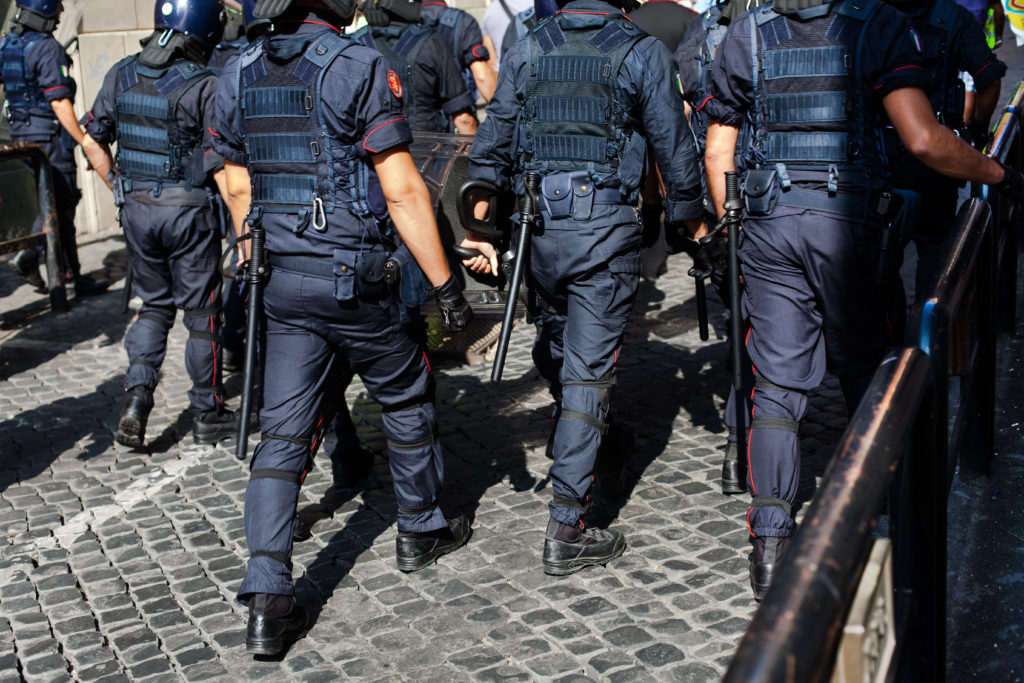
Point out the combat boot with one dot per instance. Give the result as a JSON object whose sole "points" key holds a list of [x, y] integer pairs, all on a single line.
{"points": [[765, 561], [215, 426], [416, 550], [85, 285], [275, 622], [26, 264], [568, 549], [131, 427], [732, 470]]}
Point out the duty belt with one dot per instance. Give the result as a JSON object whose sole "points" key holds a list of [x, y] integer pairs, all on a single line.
{"points": [[312, 266], [846, 203]]}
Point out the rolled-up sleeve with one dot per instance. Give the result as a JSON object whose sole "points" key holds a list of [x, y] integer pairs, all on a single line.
{"points": [[492, 156], [100, 122], [732, 75], [48, 63], [379, 112], [224, 133]]}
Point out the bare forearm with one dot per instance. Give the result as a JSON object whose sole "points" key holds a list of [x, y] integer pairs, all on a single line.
{"points": [[986, 102], [420, 236], [99, 158], [719, 157], [485, 78], [66, 115]]}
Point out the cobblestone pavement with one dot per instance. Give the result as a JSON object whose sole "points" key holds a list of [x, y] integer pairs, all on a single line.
{"points": [[122, 564]]}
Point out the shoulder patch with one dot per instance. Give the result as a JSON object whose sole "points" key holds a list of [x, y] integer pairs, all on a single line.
{"points": [[916, 39], [394, 83]]}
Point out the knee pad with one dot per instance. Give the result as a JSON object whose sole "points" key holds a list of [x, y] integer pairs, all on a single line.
{"points": [[775, 423], [159, 315], [579, 404]]}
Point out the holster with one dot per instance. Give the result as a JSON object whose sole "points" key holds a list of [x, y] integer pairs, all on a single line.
{"points": [[118, 181], [761, 189], [899, 210]]}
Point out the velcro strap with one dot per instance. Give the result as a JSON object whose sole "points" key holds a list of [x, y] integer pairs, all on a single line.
{"points": [[280, 557], [260, 103], [131, 135], [274, 437], [143, 362], [312, 266], [284, 189], [202, 312], [845, 203], [202, 334], [423, 509], [775, 423], [154, 318], [203, 389], [426, 441], [574, 147], [811, 147], [767, 502], [762, 383], [585, 418], [572, 503], [149, 106], [283, 475]]}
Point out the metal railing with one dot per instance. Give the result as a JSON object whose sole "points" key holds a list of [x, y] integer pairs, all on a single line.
{"points": [[900, 446], [50, 236]]}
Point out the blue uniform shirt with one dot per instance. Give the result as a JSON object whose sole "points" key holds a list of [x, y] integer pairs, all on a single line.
{"points": [[47, 65], [361, 110], [651, 99], [890, 60], [470, 47]]}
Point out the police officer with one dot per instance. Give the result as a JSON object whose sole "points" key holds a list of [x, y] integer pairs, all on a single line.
{"points": [[952, 42], [434, 96], [40, 96], [817, 188], [462, 33], [578, 101], [156, 105], [233, 38], [315, 176]]}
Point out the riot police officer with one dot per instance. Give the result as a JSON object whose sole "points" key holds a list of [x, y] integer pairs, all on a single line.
{"points": [[40, 96], [318, 141], [817, 189], [156, 105], [434, 96], [462, 33], [952, 42], [577, 103]]}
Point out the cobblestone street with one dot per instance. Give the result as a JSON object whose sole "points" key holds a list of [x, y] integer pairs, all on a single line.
{"points": [[122, 564]]}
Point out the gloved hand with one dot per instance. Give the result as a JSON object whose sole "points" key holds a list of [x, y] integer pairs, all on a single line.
{"points": [[455, 310], [677, 237], [709, 254], [1012, 184], [650, 214]]}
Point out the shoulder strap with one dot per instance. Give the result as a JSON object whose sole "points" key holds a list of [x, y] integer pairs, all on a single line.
{"points": [[508, 12]]}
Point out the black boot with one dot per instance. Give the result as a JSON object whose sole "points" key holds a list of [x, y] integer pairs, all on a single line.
{"points": [[216, 426], [764, 562], [232, 358], [86, 286], [569, 549], [415, 550], [732, 470], [26, 264], [131, 427], [275, 622], [613, 456]]}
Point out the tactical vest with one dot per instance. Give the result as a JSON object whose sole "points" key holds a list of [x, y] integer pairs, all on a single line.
{"points": [[809, 109], [945, 89], [30, 114], [402, 47], [574, 117], [524, 21], [295, 166], [450, 23], [151, 146], [714, 34], [224, 51]]}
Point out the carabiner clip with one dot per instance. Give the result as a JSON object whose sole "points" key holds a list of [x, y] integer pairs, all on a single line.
{"points": [[318, 207], [165, 37]]}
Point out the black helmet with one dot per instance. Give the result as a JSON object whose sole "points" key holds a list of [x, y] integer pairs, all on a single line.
{"points": [[38, 15], [253, 26], [199, 19], [270, 9]]}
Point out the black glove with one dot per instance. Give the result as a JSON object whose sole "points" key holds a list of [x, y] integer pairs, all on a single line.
{"points": [[709, 255], [650, 214], [676, 235], [455, 310], [1012, 184]]}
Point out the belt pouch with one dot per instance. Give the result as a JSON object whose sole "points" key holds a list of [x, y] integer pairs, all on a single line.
{"points": [[556, 189], [345, 274], [370, 269], [583, 197], [761, 192]]}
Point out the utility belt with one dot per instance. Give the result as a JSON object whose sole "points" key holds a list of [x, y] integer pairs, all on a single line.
{"points": [[573, 195], [124, 185], [356, 274], [31, 118]]}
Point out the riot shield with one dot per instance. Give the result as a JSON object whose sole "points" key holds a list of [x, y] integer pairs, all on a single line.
{"points": [[442, 160]]}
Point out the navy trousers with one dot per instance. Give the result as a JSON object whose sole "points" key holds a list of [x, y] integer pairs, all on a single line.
{"points": [[306, 331], [173, 251], [588, 274], [813, 304]]}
